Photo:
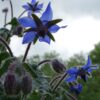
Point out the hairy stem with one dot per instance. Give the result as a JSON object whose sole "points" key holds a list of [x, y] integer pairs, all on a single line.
{"points": [[21, 14], [26, 52], [71, 96], [42, 62], [58, 83], [11, 6], [6, 45], [54, 79]]}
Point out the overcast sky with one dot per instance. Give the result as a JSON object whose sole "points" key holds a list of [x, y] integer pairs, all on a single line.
{"points": [[83, 31]]}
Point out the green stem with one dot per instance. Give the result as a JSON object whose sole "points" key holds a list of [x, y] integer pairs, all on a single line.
{"points": [[59, 82], [42, 62], [6, 45], [11, 6], [71, 96], [21, 14], [26, 52], [54, 79]]}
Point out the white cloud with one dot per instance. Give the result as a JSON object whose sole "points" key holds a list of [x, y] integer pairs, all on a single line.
{"points": [[80, 35]]}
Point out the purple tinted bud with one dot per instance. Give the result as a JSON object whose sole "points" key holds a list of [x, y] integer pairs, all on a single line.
{"points": [[26, 84], [18, 30], [58, 66], [11, 84]]}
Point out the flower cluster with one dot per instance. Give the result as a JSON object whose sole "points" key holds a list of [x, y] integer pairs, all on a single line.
{"points": [[14, 84], [79, 72], [39, 28], [22, 78]]}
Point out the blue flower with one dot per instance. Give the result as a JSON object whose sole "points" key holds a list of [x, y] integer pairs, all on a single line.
{"points": [[40, 28], [34, 7], [76, 88], [82, 72]]}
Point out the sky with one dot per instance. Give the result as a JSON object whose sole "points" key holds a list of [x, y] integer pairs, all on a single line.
{"points": [[82, 33]]}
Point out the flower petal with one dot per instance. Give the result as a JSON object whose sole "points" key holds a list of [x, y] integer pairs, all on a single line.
{"points": [[89, 61], [54, 29], [29, 37], [91, 69], [48, 14], [73, 70], [33, 1], [26, 7], [76, 88], [72, 78], [88, 64], [27, 22], [45, 39], [40, 6]]}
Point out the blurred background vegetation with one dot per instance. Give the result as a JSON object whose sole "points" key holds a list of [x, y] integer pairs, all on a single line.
{"points": [[91, 89]]}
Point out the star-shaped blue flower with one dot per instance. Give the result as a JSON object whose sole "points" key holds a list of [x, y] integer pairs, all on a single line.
{"points": [[76, 88], [40, 28], [83, 72], [34, 6]]}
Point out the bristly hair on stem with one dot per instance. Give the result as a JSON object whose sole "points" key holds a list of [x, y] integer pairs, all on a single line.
{"points": [[26, 52], [6, 45], [54, 80], [42, 62], [59, 82], [21, 14]]}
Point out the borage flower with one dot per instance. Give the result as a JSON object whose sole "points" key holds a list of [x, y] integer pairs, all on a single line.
{"points": [[76, 88], [83, 72], [34, 7], [40, 28]]}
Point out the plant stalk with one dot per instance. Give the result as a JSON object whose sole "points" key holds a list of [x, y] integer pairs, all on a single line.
{"points": [[11, 6], [6, 45], [59, 82], [26, 52]]}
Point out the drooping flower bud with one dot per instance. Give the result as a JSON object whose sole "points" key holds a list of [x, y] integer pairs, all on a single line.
{"points": [[18, 30], [58, 66], [26, 84], [11, 84]]}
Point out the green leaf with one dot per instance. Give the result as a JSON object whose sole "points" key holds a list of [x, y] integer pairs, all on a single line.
{"points": [[30, 70], [2, 48], [53, 22], [5, 64], [4, 55], [5, 97], [51, 36], [37, 20], [14, 22], [4, 33], [31, 29], [34, 96], [35, 39]]}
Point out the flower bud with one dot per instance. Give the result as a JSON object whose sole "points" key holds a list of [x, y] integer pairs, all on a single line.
{"points": [[58, 66], [26, 84], [11, 84], [18, 30]]}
